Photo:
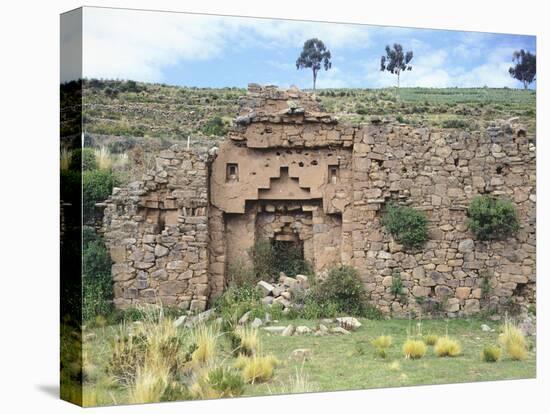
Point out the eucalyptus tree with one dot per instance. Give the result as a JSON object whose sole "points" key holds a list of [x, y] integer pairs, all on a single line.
{"points": [[314, 56]]}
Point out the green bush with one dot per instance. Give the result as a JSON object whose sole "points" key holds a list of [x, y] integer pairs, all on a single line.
{"points": [[236, 301], [215, 126], [83, 158], [97, 186], [341, 292], [289, 258], [491, 218], [241, 274], [407, 225], [263, 260], [97, 289], [227, 382], [454, 123]]}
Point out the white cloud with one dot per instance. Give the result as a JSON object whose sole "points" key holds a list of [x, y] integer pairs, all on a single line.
{"points": [[434, 69], [140, 45]]}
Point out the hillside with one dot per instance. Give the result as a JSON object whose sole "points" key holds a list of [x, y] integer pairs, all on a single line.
{"points": [[136, 109]]}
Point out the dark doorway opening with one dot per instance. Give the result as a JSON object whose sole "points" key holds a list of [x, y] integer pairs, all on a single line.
{"points": [[288, 256]]}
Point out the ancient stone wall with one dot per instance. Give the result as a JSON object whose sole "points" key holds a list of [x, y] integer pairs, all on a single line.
{"points": [[157, 231], [439, 173], [289, 171]]}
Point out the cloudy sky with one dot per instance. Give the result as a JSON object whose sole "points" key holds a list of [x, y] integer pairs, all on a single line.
{"points": [[215, 51]]}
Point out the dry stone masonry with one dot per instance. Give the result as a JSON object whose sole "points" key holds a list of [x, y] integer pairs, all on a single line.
{"points": [[292, 173]]}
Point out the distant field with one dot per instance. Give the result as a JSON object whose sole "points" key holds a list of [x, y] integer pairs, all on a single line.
{"points": [[126, 108]]}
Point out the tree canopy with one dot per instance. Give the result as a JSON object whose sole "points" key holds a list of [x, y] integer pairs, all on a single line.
{"points": [[315, 55], [525, 69], [396, 61]]}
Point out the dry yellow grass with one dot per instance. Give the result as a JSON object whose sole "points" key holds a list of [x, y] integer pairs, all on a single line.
{"points": [[414, 349], [447, 347], [250, 343], [257, 368], [513, 341], [206, 340], [431, 339]]}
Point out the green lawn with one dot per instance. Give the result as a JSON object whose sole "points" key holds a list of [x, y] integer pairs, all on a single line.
{"points": [[338, 364], [344, 362]]}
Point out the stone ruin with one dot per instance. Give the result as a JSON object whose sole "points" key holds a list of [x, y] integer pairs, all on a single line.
{"points": [[290, 172]]}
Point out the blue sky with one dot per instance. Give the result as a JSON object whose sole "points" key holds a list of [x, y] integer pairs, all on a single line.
{"points": [[216, 51]]}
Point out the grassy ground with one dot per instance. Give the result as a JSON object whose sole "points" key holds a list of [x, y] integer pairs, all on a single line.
{"points": [[341, 362]]}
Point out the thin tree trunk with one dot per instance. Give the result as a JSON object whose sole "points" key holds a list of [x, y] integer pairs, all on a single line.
{"points": [[314, 78]]}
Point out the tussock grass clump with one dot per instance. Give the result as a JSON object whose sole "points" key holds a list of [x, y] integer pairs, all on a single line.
{"points": [[295, 384], [395, 366], [219, 382], [382, 343], [150, 383], [513, 341], [431, 339], [257, 368], [206, 341], [447, 347], [491, 353], [414, 349], [249, 341]]}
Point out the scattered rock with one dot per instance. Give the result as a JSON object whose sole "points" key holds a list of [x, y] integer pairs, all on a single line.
{"points": [[288, 331], [244, 318], [301, 354], [302, 330], [348, 322], [265, 288], [267, 300], [256, 323], [180, 321], [274, 329], [485, 328], [528, 327], [200, 318], [339, 330]]}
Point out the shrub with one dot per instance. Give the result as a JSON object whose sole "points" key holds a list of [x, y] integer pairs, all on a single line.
{"points": [[83, 159], [241, 274], [414, 349], [343, 288], [454, 123], [490, 353], [396, 285], [513, 341], [447, 347], [431, 339], [314, 310], [215, 126], [491, 218], [288, 258], [97, 186], [263, 259], [382, 343], [235, 302], [220, 382], [97, 288], [407, 225]]}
